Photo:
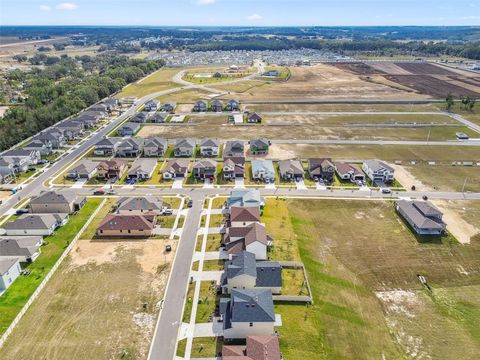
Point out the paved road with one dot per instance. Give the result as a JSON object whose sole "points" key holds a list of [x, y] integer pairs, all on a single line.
{"points": [[165, 335]]}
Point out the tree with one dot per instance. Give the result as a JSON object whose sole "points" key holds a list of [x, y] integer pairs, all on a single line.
{"points": [[471, 104], [449, 101]]}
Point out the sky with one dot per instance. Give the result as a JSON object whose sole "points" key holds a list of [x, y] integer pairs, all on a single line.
{"points": [[240, 12]]}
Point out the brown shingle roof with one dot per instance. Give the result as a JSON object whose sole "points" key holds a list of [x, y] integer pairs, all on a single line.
{"points": [[245, 214], [127, 222]]}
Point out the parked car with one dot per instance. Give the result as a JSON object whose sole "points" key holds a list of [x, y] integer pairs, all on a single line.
{"points": [[31, 168], [42, 162], [386, 191], [190, 203], [167, 211], [425, 197], [168, 248], [99, 192], [21, 211]]}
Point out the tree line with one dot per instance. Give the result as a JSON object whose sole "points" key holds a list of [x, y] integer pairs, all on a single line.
{"points": [[65, 88]]}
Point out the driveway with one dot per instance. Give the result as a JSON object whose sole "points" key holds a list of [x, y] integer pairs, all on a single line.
{"points": [[79, 183], [208, 184], [300, 184], [177, 183], [208, 330], [240, 183], [270, 186]]}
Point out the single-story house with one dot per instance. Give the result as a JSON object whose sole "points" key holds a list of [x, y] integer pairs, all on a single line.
{"points": [[204, 169], [209, 147], [245, 198], [247, 312], [110, 169], [259, 146], [155, 146], [200, 106], [9, 270], [158, 118], [244, 272], [169, 106], [184, 147], [234, 148], [321, 168], [232, 105], [235, 119], [24, 248], [257, 348], [131, 225], [290, 169], [216, 105], [423, 216], [378, 171], [131, 147], [233, 167], [85, 169], [128, 129], [254, 118], [252, 238], [263, 170], [58, 201], [142, 169], [139, 117], [176, 168], [349, 172], [107, 146], [35, 224], [139, 205]]}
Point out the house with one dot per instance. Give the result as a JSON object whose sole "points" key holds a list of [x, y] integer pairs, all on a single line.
{"points": [[423, 216], [184, 147], [107, 146], [35, 224], [244, 272], [216, 105], [71, 129], [251, 238], [152, 105], [85, 169], [139, 205], [32, 156], [14, 165], [247, 312], [217, 75], [259, 146], [233, 167], [233, 148], [139, 117], [254, 118], [200, 106], [111, 104], [232, 105], [209, 147], [169, 106], [128, 129], [45, 148], [263, 170], [111, 169], [158, 118], [99, 108], [142, 169], [176, 168], [131, 147], [9, 270], [243, 216], [155, 146], [235, 119], [349, 172], [245, 198], [378, 171], [204, 169], [123, 225], [129, 100], [52, 136], [257, 348], [321, 168], [7, 175], [61, 201], [24, 248], [290, 169]]}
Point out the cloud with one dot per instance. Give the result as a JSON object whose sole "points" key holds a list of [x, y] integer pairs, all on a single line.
{"points": [[67, 6], [45, 8], [254, 17], [205, 2]]}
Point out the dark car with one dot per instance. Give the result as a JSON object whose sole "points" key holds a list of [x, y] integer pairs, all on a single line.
{"points": [[21, 211], [425, 197], [190, 203], [99, 192], [168, 248]]}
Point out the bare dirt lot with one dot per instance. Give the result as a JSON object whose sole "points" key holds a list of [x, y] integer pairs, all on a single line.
{"points": [[93, 306], [324, 81]]}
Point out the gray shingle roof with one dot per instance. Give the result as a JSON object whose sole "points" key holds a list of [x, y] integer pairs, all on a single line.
{"points": [[55, 197], [35, 221], [139, 203], [10, 246], [6, 264]]}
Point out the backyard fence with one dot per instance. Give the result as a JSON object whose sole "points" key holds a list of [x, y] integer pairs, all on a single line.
{"points": [[47, 277]]}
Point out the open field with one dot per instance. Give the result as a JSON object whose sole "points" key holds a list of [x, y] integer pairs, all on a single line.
{"points": [[360, 272], [325, 81], [392, 153], [93, 306], [20, 291], [247, 87], [185, 96], [205, 75], [158, 81]]}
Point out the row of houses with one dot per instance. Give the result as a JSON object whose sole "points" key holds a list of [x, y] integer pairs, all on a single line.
{"points": [[22, 238], [216, 106]]}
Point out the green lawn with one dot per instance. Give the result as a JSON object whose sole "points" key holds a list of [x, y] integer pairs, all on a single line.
{"points": [[91, 229], [213, 265], [187, 311], [213, 242], [206, 301], [20, 291], [206, 347]]}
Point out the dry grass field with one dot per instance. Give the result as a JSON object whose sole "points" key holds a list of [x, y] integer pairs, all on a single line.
{"points": [[185, 96], [92, 307], [368, 302], [324, 82], [157, 81]]}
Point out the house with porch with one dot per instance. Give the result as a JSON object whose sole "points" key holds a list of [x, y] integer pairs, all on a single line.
{"points": [[107, 146], [259, 146], [263, 170], [378, 172], [131, 147], [204, 169], [176, 168], [200, 106], [155, 147], [110, 169], [234, 148], [233, 167], [291, 169], [321, 168], [209, 148], [142, 169], [184, 147], [128, 129]]}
